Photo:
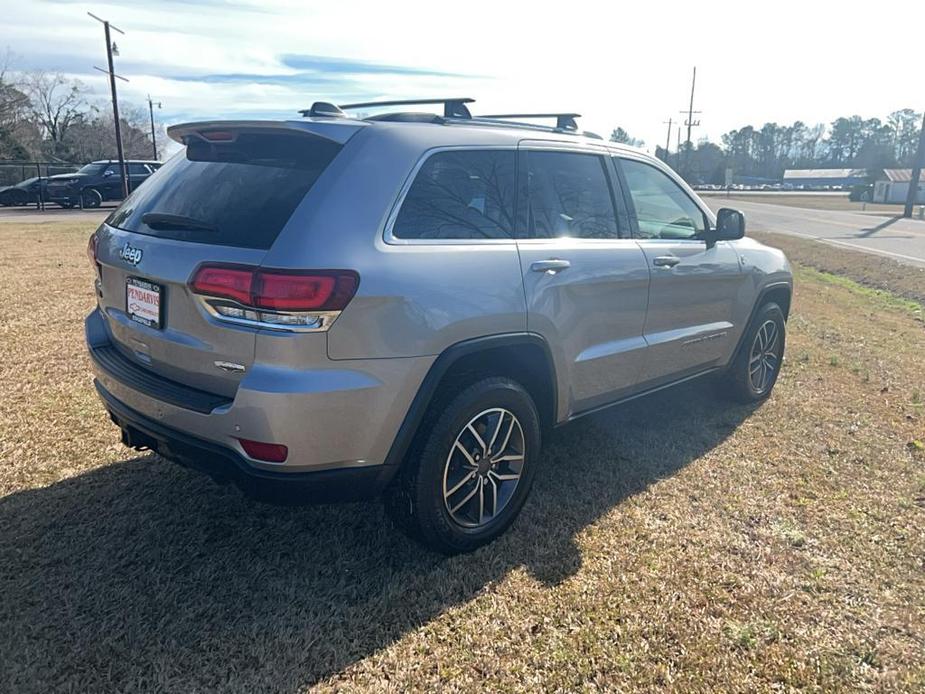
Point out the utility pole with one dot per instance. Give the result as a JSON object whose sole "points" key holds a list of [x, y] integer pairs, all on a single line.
{"points": [[115, 99], [667, 140], [153, 136], [678, 155], [689, 121], [917, 165]]}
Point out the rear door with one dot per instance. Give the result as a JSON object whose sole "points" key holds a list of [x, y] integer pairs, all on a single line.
{"points": [[689, 324], [586, 280], [137, 174], [111, 182], [221, 201]]}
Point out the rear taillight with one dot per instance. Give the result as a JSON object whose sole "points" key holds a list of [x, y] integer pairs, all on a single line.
{"points": [[91, 250], [92, 243], [269, 452], [224, 282], [287, 299]]}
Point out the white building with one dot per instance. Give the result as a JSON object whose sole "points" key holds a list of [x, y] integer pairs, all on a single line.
{"points": [[894, 186]]}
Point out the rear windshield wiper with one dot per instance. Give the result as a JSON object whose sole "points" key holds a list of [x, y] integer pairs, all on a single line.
{"points": [[175, 222]]}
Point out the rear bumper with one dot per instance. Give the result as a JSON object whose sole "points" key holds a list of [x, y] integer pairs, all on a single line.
{"points": [[226, 465], [334, 417]]}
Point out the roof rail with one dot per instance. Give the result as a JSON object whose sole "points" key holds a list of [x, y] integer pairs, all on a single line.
{"points": [[564, 121], [454, 107]]}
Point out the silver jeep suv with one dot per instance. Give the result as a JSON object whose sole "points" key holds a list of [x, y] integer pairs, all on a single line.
{"points": [[335, 307]]}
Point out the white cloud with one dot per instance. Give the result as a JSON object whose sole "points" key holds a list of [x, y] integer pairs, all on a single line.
{"points": [[622, 64]]}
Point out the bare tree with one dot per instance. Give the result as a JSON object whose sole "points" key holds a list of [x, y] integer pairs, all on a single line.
{"points": [[57, 103], [13, 102], [19, 138]]}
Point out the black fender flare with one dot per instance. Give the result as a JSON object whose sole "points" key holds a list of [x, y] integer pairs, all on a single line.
{"points": [[445, 360], [759, 302]]}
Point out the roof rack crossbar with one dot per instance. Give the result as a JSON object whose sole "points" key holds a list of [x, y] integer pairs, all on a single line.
{"points": [[564, 121], [454, 107]]}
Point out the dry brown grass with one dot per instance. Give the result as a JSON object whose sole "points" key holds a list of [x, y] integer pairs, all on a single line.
{"points": [[676, 543], [811, 202], [873, 271]]}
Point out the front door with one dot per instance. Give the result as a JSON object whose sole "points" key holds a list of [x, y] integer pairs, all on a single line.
{"points": [[586, 280], [689, 323]]}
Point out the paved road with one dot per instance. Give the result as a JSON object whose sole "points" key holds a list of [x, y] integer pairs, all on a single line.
{"points": [[892, 236], [52, 213]]}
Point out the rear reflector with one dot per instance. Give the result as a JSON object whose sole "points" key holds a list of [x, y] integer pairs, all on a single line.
{"points": [[278, 290], [268, 452]]}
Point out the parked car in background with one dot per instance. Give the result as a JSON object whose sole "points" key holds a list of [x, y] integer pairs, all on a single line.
{"points": [[23, 193], [97, 182]]}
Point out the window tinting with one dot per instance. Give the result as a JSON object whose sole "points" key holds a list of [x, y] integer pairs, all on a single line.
{"points": [[663, 209], [569, 196], [138, 169], [237, 193], [465, 194], [92, 169]]}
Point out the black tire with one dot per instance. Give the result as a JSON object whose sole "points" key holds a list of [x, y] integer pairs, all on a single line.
{"points": [[91, 198], [751, 378], [415, 500]]}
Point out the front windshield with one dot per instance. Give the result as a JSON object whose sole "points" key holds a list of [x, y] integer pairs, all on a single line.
{"points": [[28, 181], [92, 168]]}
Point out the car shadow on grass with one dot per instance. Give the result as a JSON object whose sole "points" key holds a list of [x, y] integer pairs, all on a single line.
{"points": [[143, 575]]}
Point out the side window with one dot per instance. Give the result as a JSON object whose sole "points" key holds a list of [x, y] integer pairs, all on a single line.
{"points": [[663, 209], [569, 195], [138, 170], [466, 194]]}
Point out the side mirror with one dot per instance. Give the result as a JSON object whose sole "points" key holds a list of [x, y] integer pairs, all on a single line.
{"points": [[108, 172], [730, 225]]}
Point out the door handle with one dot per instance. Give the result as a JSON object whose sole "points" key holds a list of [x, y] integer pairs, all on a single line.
{"points": [[552, 265], [666, 261]]}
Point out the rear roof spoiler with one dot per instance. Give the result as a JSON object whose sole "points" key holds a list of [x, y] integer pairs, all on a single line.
{"points": [[338, 131]]}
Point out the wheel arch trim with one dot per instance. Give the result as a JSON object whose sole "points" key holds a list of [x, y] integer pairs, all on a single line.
{"points": [[443, 363], [759, 302]]}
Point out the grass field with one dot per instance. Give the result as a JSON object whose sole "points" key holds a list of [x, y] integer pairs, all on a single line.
{"points": [[677, 543]]}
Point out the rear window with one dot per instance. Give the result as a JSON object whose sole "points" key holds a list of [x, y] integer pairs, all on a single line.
{"points": [[236, 193]]}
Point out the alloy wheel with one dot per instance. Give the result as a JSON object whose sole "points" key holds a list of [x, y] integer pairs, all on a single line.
{"points": [[483, 467], [764, 357]]}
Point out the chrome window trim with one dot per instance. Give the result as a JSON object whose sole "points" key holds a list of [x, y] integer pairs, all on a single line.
{"points": [[392, 240]]}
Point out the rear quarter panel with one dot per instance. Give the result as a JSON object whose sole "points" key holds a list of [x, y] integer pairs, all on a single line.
{"points": [[413, 300]]}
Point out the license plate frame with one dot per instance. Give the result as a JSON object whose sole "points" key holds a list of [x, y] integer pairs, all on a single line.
{"points": [[144, 302]]}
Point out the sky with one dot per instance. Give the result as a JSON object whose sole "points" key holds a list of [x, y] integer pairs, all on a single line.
{"points": [[616, 63]]}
